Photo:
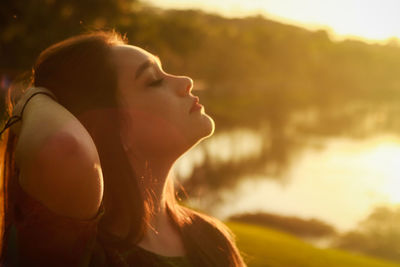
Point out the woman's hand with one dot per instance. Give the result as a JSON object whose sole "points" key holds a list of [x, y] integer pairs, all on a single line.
{"points": [[18, 108]]}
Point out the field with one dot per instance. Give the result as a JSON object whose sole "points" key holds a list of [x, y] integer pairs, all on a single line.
{"points": [[266, 247]]}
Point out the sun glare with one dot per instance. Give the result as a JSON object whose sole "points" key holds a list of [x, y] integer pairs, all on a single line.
{"points": [[386, 159]]}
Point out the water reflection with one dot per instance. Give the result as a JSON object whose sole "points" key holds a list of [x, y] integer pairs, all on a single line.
{"points": [[340, 181], [227, 146]]}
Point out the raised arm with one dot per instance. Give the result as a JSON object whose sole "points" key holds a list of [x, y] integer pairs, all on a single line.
{"points": [[58, 161]]}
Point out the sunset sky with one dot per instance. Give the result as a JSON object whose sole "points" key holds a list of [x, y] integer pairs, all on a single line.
{"points": [[369, 20]]}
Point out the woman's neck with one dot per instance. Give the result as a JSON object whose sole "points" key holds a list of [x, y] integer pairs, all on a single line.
{"points": [[162, 236]]}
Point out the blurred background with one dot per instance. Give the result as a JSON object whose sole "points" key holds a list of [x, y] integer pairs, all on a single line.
{"points": [[304, 165]]}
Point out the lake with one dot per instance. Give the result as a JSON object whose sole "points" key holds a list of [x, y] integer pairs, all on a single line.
{"points": [[339, 180]]}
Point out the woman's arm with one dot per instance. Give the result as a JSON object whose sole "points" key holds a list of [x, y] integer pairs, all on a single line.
{"points": [[58, 160]]}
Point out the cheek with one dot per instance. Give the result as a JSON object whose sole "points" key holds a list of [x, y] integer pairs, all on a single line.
{"points": [[152, 133]]}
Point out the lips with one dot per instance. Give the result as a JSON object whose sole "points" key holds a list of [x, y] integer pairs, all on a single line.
{"points": [[195, 105]]}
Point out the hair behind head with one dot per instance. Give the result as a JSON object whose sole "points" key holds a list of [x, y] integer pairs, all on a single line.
{"points": [[79, 71]]}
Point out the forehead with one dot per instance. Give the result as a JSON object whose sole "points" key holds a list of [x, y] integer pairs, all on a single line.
{"points": [[130, 56]]}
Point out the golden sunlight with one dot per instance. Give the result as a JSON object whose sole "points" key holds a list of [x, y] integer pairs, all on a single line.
{"points": [[374, 20], [386, 159]]}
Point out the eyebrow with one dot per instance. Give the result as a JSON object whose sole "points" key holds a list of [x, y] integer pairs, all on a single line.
{"points": [[142, 67]]}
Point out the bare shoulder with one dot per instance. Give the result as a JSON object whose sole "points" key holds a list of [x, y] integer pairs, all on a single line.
{"points": [[65, 175]]}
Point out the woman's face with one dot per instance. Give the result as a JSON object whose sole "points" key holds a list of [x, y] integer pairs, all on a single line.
{"points": [[158, 106]]}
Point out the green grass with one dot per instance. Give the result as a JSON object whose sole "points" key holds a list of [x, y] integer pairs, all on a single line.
{"points": [[266, 247]]}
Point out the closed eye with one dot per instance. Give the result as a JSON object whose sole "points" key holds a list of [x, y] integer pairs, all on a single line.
{"points": [[156, 82]]}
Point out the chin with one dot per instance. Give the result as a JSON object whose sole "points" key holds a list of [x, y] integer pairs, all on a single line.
{"points": [[204, 129], [207, 127], [210, 126]]}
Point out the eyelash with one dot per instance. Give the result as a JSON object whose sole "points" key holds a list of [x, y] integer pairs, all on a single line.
{"points": [[156, 82]]}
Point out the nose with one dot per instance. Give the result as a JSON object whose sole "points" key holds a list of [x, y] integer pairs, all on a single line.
{"points": [[186, 85]]}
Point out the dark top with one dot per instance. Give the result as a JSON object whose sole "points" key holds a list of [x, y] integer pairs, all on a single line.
{"points": [[39, 237]]}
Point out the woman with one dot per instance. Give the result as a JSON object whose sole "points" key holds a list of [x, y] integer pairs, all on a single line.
{"points": [[87, 176]]}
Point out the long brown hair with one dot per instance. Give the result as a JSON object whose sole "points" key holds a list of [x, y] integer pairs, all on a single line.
{"points": [[80, 72]]}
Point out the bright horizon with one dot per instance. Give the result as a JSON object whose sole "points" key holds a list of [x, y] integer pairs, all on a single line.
{"points": [[370, 21]]}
